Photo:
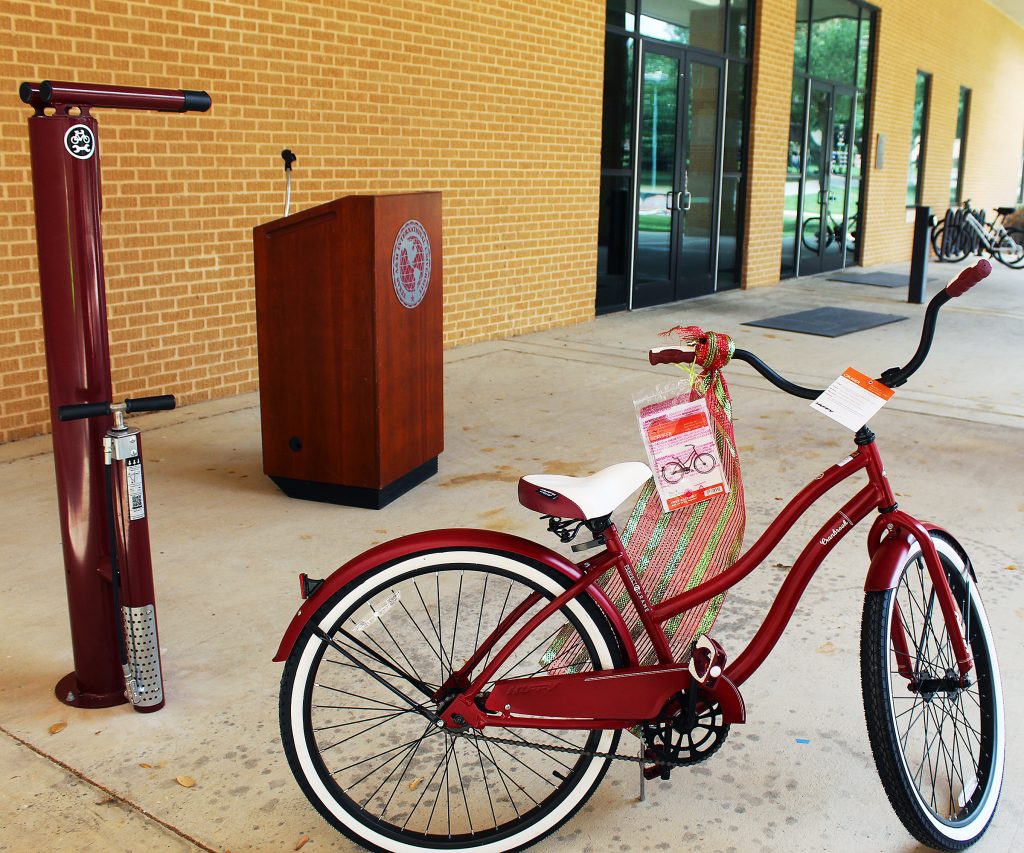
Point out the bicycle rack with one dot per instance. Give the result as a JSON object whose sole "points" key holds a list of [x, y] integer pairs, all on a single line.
{"points": [[64, 147]]}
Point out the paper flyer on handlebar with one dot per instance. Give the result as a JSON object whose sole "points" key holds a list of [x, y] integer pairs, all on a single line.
{"points": [[678, 435]]}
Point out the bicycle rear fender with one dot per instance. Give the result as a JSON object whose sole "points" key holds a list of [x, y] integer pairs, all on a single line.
{"points": [[889, 554], [433, 540]]}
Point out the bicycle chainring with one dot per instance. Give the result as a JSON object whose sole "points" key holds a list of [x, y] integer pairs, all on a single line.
{"points": [[682, 735]]}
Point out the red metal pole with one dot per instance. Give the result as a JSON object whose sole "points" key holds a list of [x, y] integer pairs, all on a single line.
{"points": [[66, 188]]}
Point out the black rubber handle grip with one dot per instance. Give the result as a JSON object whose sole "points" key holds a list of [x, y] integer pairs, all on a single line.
{"points": [[196, 101], [969, 277], [670, 355], [83, 410], [150, 404]]}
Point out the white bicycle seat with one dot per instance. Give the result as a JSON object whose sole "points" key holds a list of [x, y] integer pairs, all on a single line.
{"points": [[582, 498]]}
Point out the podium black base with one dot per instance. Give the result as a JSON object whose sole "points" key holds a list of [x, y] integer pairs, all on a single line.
{"points": [[359, 496]]}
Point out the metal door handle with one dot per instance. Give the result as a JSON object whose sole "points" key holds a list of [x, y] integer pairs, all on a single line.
{"points": [[679, 200], [668, 200]]}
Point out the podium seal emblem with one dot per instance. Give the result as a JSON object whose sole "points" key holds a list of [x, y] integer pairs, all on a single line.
{"points": [[410, 264]]}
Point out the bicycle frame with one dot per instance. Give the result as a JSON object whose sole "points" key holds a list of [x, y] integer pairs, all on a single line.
{"points": [[557, 701]]}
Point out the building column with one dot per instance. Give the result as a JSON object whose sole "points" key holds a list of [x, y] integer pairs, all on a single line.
{"points": [[772, 84]]}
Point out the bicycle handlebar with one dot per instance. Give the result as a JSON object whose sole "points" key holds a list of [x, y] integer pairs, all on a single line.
{"points": [[161, 402], [968, 278], [892, 378], [49, 93]]}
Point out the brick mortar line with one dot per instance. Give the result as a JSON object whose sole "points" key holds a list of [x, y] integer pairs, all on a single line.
{"points": [[109, 792]]}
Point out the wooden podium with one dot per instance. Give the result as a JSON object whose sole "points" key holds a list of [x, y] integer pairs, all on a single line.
{"points": [[348, 321]]}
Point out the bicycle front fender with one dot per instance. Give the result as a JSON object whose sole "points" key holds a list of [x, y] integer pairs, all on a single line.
{"points": [[889, 555], [434, 540]]}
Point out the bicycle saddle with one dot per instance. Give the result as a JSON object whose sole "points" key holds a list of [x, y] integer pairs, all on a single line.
{"points": [[582, 498], [1005, 211]]}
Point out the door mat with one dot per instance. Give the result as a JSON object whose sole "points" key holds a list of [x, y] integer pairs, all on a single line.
{"points": [[879, 279], [827, 322]]}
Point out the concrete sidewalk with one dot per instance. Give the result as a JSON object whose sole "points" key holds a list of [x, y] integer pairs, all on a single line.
{"points": [[228, 545]]}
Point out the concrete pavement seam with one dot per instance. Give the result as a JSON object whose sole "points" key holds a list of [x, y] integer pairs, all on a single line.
{"points": [[109, 792]]}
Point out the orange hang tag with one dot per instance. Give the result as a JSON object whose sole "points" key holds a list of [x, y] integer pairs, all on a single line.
{"points": [[853, 399]]}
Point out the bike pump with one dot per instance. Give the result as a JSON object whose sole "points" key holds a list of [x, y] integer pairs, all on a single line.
{"points": [[64, 148]]}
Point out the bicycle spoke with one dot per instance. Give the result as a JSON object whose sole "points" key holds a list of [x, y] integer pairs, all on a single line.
{"points": [[361, 720], [501, 617], [412, 747], [462, 785], [401, 778], [425, 787], [455, 620]]}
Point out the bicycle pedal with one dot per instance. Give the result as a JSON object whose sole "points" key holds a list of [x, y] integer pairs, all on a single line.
{"points": [[707, 660], [655, 770]]}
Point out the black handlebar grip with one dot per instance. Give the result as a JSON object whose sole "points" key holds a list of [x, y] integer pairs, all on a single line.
{"points": [[83, 410], [968, 278], [160, 403], [670, 355], [196, 102]]}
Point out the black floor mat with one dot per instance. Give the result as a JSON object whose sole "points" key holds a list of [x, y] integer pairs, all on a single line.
{"points": [[879, 279], [827, 322]]}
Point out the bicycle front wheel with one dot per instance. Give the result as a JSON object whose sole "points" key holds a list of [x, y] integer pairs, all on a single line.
{"points": [[939, 748], [381, 772], [1010, 249], [703, 463], [813, 234]]}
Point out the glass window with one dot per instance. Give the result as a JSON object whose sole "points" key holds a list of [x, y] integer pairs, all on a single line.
{"points": [[834, 40], [803, 17], [956, 176], [700, 23], [622, 13], [617, 134], [739, 27], [733, 165], [919, 130], [794, 170], [735, 111], [863, 48]]}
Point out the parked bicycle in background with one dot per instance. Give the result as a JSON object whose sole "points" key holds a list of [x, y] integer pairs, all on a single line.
{"points": [[964, 231]]}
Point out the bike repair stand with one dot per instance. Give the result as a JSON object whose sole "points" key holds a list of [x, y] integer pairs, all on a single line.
{"points": [[63, 142]]}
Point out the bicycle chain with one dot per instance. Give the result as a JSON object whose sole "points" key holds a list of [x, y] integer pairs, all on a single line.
{"points": [[590, 753]]}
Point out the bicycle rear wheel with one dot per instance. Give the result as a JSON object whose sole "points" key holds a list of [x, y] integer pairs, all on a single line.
{"points": [[939, 748], [383, 774]]}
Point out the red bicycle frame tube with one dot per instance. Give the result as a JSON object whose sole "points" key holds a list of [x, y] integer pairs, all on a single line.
{"points": [[877, 494]]}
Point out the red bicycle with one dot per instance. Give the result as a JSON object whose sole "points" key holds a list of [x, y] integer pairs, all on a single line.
{"points": [[430, 701]]}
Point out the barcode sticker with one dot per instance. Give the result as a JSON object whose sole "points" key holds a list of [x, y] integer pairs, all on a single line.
{"points": [[136, 493]]}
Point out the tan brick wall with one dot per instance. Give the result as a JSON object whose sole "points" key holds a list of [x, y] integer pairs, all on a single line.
{"points": [[960, 43], [972, 45], [772, 83], [497, 105]]}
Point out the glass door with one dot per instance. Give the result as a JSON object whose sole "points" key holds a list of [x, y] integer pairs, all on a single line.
{"points": [[679, 175], [827, 232], [657, 220], [701, 177]]}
